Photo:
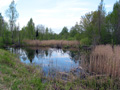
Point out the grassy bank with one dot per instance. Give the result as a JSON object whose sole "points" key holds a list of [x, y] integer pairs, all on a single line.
{"points": [[17, 76], [52, 43]]}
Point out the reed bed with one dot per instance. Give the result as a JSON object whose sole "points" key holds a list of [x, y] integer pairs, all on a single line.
{"points": [[105, 59], [52, 43]]}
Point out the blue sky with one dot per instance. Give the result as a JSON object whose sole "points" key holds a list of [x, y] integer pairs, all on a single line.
{"points": [[54, 14]]}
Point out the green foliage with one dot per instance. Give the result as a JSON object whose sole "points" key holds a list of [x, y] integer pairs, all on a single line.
{"points": [[85, 41], [73, 32], [1, 42], [77, 36], [7, 37], [64, 31], [30, 29], [71, 38], [113, 23]]}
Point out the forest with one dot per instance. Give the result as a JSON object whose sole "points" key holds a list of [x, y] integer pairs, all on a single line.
{"points": [[95, 27]]}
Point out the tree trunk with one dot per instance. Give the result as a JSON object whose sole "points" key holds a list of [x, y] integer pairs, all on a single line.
{"points": [[12, 33], [99, 27]]}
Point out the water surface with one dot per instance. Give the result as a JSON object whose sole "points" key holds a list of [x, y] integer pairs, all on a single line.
{"points": [[50, 60]]}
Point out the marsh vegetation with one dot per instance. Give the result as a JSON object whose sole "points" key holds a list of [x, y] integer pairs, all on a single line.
{"points": [[57, 69]]}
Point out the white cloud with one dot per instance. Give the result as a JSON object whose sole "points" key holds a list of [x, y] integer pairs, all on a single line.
{"points": [[65, 13], [72, 3], [22, 21], [57, 23], [108, 6], [59, 55], [46, 11], [61, 10], [79, 9], [5, 2]]}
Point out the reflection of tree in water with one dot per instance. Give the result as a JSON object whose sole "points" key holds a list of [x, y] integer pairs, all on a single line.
{"points": [[46, 53], [50, 52], [41, 53], [64, 51], [30, 53], [24, 58], [74, 55], [37, 51], [15, 50]]}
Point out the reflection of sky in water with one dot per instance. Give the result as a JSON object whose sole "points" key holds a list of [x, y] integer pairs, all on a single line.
{"points": [[56, 60]]}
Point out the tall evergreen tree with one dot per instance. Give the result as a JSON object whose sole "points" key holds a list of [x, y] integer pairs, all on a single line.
{"points": [[31, 29]]}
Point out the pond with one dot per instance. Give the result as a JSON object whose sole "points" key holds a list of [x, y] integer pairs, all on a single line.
{"points": [[50, 60]]}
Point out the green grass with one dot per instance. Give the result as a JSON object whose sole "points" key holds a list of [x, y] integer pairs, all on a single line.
{"points": [[90, 83], [16, 76]]}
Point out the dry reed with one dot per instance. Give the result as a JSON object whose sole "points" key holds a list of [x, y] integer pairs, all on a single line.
{"points": [[53, 43], [105, 60]]}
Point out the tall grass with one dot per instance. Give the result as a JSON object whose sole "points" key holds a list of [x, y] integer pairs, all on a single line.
{"points": [[54, 43], [105, 59]]}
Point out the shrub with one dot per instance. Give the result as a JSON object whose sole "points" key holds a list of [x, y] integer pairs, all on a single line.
{"points": [[85, 41], [1, 42]]}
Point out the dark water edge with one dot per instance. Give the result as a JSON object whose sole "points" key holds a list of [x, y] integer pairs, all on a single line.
{"points": [[51, 60]]}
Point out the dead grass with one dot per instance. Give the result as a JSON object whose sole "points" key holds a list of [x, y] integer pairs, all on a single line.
{"points": [[52, 43], [105, 60]]}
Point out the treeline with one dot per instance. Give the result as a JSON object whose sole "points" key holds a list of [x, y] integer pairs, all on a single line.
{"points": [[95, 27]]}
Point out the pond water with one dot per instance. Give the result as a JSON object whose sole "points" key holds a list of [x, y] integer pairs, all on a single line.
{"points": [[50, 59]]}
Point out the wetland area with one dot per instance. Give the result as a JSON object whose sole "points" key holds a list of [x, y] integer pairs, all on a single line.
{"points": [[49, 60]]}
